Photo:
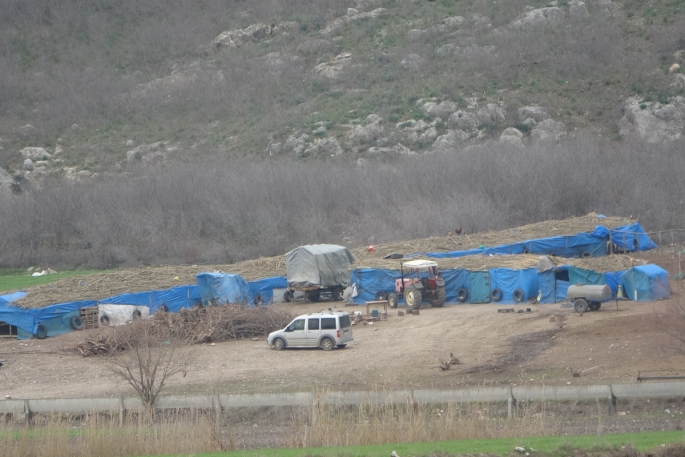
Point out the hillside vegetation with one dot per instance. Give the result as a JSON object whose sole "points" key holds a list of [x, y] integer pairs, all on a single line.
{"points": [[203, 131]]}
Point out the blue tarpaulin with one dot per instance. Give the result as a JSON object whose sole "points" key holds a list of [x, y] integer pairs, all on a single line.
{"points": [[547, 280], [372, 280], [221, 288], [629, 237], [174, 299], [264, 288], [508, 280], [9, 298], [581, 276], [561, 293], [646, 283]]}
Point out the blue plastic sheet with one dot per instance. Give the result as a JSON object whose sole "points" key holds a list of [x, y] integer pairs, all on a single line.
{"points": [[264, 288], [613, 279], [632, 237], [547, 281], [581, 276], [508, 280], [646, 283], [174, 299], [9, 298], [369, 281], [222, 288], [561, 290]]}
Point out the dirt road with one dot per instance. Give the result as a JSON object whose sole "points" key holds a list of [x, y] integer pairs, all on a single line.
{"points": [[402, 352]]}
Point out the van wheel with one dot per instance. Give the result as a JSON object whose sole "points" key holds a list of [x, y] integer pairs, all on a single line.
{"points": [[327, 344], [279, 344]]}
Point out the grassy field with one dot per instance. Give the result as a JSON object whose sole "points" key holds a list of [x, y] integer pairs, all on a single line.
{"points": [[17, 279], [555, 445]]}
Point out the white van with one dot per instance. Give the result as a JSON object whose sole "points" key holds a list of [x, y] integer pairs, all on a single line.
{"points": [[323, 330]]}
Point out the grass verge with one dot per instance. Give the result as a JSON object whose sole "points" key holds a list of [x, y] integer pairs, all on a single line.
{"points": [[13, 280], [499, 446]]}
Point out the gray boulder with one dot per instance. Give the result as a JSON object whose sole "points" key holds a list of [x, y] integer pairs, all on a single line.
{"points": [[372, 131], [27, 130], [491, 114], [450, 140], [537, 113], [150, 153], [35, 153], [548, 130], [352, 16], [333, 68], [238, 38], [323, 147], [397, 149], [578, 10], [441, 110], [512, 136], [412, 62], [28, 165], [463, 121], [653, 122], [541, 17]]}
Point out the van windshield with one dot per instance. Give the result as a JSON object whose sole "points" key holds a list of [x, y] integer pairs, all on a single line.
{"points": [[345, 321]]}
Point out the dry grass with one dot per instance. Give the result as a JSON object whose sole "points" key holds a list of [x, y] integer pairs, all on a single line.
{"points": [[99, 436]]}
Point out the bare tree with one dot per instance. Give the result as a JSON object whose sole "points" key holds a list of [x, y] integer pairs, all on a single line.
{"points": [[148, 362]]}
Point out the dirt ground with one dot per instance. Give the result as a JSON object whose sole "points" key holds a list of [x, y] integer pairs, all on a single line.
{"points": [[542, 346]]}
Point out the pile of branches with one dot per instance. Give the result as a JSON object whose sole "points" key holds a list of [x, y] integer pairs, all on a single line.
{"points": [[188, 326], [220, 323]]}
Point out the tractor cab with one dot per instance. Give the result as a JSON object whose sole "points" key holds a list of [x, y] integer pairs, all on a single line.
{"points": [[418, 279]]}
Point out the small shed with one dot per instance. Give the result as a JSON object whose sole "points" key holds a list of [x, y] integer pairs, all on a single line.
{"points": [[646, 283]]}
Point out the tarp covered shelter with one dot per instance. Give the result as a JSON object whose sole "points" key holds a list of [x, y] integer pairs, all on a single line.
{"points": [[629, 238], [264, 289], [318, 265], [174, 299], [221, 288], [646, 283]]}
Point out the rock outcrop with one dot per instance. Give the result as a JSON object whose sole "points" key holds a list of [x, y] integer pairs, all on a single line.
{"points": [[237, 38], [652, 121], [149, 154]]}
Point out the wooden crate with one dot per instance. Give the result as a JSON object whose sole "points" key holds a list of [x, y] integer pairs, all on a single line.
{"points": [[89, 316]]}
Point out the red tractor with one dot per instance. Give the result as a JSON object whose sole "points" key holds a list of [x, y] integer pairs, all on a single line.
{"points": [[415, 285]]}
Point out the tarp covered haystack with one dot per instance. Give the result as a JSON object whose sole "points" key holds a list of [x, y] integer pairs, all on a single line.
{"points": [[221, 288], [646, 283], [318, 265]]}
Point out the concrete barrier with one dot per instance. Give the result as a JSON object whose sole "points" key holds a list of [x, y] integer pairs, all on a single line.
{"points": [[512, 395]]}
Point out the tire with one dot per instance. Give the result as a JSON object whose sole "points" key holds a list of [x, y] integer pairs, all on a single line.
{"points": [[496, 294], [137, 315], [519, 295], [313, 295], [580, 305], [327, 344], [337, 294], [104, 320], [586, 255], [594, 305], [279, 344], [412, 296], [392, 300], [462, 294], [439, 298], [76, 323], [381, 295], [287, 296], [41, 332]]}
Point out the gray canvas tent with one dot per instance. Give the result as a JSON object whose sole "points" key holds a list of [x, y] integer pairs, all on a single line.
{"points": [[321, 265]]}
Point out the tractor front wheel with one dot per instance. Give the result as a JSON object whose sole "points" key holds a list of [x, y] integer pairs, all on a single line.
{"points": [[438, 298]]}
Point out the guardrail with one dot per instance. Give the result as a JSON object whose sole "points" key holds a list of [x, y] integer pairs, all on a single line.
{"points": [[512, 395]]}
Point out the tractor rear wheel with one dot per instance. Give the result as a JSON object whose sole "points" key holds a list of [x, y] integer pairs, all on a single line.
{"points": [[412, 296], [438, 298]]}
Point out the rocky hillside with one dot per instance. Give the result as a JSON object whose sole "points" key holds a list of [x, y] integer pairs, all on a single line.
{"points": [[110, 87]]}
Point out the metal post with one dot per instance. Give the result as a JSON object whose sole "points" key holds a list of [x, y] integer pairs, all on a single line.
{"points": [[28, 415], [121, 411], [511, 405], [611, 401]]}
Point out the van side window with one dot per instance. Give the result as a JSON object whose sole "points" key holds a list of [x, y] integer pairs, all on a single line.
{"points": [[328, 323], [298, 324], [313, 323]]}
